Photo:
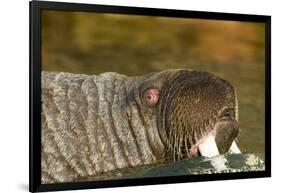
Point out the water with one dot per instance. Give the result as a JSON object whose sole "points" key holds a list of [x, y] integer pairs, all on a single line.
{"points": [[199, 165]]}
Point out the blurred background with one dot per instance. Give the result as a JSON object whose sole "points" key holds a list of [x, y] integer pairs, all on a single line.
{"points": [[92, 43]]}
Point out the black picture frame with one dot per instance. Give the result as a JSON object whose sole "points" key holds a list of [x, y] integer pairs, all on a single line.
{"points": [[35, 94]]}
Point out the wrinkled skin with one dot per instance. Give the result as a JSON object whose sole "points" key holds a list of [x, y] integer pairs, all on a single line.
{"points": [[101, 123]]}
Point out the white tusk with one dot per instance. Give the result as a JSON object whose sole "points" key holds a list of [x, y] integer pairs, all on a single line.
{"points": [[234, 148], [208, 147]]}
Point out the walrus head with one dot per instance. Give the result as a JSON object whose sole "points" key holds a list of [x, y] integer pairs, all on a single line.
{"points": [[92, 124], [190, 107]]}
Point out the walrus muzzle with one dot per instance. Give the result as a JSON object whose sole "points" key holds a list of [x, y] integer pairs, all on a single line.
{"points": [[195, 106], [95, 124]]}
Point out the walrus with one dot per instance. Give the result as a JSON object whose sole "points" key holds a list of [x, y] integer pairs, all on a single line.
{"points": [[94, 124]]}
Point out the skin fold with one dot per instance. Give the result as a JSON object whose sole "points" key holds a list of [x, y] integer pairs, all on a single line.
{"points": [[94, 124]]}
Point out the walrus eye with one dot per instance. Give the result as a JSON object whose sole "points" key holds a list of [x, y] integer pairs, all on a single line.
{"points": [[151, 96]]}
